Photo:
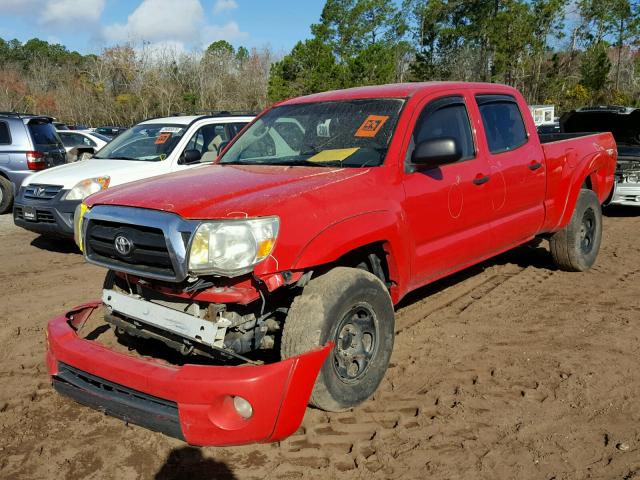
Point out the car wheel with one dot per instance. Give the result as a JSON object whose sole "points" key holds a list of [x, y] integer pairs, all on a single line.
{"points": [[575, 247], [353, 309], [6, 195]]}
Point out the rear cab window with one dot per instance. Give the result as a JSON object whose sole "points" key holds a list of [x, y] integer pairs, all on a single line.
{"points": [[503, 124]]}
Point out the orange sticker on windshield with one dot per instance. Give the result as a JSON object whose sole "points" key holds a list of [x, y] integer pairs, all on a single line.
{"points": [[162, 138], [371, 126]]}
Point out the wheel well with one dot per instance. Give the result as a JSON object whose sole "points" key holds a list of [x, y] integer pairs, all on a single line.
{"points": [[372, 258], [587, 184]]}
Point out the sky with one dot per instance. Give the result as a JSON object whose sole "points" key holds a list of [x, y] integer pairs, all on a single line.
{"points": [[88, 26]]}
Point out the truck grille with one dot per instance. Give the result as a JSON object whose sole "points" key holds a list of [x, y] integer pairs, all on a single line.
{"points": [[41, 192], [147, 252]]}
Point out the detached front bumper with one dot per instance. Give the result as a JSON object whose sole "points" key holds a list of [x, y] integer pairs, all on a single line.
{"points": [[190, 402]]}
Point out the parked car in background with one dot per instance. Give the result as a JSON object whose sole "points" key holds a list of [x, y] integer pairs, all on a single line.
{"points": [[624, 124], [28, 143], [47, 201], [82, 144], [110, 132], [78, 127], [60, 126]]}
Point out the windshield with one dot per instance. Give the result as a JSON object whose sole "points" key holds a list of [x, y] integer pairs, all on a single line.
{"points": [[354, 133], [149, 142]]}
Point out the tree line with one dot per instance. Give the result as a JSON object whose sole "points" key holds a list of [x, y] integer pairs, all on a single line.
{"points": [[563, 52], [123, 84]]}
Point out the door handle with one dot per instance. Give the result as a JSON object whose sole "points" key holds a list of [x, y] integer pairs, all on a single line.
{"points": [[534, 165], [481, 179]]}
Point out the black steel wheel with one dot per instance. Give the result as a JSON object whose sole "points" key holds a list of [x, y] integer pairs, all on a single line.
{"points": [[352, 308], [575, 247]]}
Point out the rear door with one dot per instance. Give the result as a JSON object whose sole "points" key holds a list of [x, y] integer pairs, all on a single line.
{"points": [[448, 207], [45, 139], [518, 173]]}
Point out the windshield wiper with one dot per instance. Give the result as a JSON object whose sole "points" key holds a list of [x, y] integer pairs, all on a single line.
{"points": [[308, 163], [117, 158]]}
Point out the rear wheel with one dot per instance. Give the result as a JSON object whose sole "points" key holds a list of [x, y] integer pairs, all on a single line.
{"points": [[352, 308], [575, 247], [6, 195]]}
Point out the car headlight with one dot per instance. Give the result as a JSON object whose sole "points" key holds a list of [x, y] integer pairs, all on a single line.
{"points": [[87, 187], [232, 247], [77, 223]]}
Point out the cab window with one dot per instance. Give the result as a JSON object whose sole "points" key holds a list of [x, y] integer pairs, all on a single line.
{"points": [[503, 124], [446, 118]]}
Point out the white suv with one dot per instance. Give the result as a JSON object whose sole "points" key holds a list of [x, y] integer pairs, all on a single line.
{"points": [[47, 200]]}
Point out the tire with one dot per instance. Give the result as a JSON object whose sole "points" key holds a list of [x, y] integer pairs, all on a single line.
{"points": [[575, 247], [327, 310], [6, 195]]}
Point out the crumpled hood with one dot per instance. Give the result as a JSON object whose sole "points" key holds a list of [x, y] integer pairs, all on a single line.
{"points": [[218, 191], [624, 124], [119, 171]]}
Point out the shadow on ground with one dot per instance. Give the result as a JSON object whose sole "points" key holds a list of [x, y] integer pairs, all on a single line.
{"points": [[621, 211], [58, 245], [531, 254], [188, 463]]}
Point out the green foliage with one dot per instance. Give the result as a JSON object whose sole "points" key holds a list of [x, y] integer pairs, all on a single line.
{"points": [[220, 47], [595, 68], [310, 67], [357, 42]]}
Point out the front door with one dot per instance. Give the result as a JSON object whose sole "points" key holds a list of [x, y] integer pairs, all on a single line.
{"points": [[447, 207]]}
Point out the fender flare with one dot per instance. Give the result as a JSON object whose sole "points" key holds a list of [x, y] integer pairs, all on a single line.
{"points": [[589, 169], [354, 232]]}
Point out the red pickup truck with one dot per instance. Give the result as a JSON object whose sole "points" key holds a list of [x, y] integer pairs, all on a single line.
{"points": [[275, 272]]}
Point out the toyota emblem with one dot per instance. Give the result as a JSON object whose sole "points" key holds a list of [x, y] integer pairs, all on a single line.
{"points": [[123, 245]]}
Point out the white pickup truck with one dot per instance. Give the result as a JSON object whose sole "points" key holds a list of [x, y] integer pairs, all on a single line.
{"points": [[47, 200]]}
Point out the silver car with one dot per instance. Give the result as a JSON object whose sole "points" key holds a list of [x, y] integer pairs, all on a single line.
{"points": [[28, 143]]}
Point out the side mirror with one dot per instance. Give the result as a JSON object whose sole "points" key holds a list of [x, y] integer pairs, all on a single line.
{"points": [[190, 156], [439, 151]]}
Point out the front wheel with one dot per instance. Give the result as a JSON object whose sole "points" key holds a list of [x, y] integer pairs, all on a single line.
{"points": [[575, 247], [353, 309]]}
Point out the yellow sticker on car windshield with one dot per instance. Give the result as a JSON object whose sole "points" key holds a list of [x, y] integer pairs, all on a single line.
{"points": [[334, 155], [371, 126]]}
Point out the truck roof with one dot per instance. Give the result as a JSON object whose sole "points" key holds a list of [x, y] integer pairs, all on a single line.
{"points": [[393, 90]]}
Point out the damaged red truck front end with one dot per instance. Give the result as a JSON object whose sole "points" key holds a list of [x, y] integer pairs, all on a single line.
{"points": [[200, 404]]}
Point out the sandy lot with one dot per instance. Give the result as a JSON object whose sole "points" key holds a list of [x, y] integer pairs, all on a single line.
{"points": [[508, 370]]}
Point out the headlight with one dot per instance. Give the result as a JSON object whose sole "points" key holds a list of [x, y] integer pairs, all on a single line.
{"points": [[232, 247], [77, 223], [87, 187]]}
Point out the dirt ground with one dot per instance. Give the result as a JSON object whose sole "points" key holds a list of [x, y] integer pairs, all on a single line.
{"points": [[511, 369]]}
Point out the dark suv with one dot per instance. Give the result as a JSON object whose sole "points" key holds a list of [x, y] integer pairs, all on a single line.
{"points": [[28, 143]]}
